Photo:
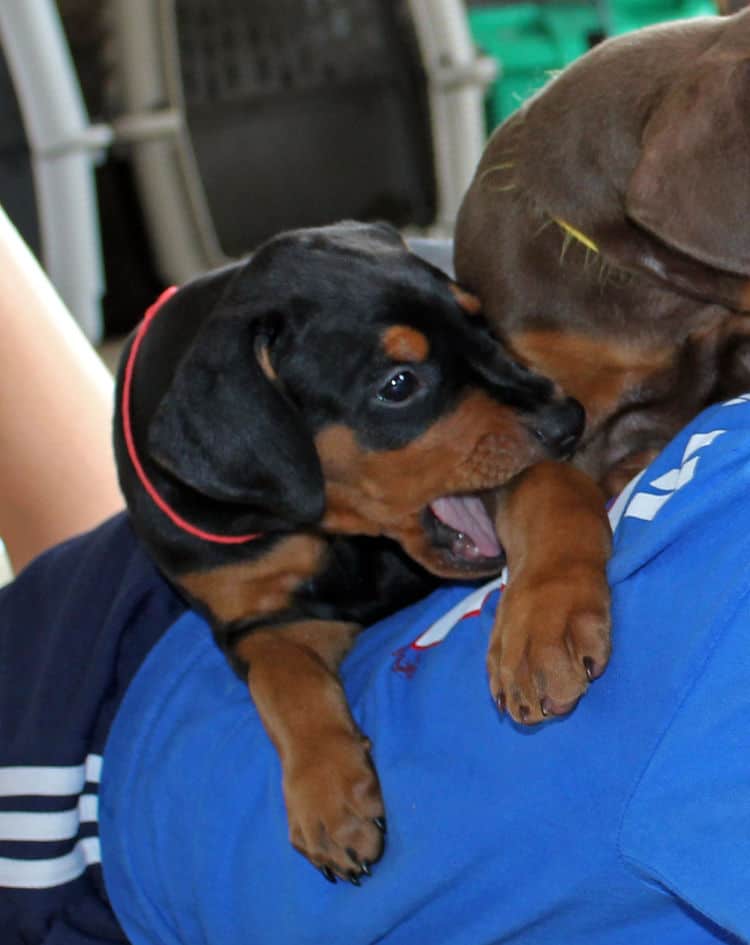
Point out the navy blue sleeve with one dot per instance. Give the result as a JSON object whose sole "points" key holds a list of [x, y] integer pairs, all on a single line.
{"points": [[75, 626]]}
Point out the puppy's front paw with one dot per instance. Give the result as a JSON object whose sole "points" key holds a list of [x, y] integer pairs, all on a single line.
{"points": [[551, 638], [335, 808]]}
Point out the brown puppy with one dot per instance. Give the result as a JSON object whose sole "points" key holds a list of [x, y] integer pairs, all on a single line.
{"points": [[303, 440], [607, 234]]}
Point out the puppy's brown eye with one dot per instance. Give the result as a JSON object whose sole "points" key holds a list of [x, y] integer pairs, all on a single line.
{"points": [[400, 387]]}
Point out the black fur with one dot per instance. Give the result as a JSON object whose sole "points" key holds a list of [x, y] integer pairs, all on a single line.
{"points": [[233, 452]]}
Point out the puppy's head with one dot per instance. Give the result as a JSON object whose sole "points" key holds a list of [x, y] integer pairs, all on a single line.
{"points": [[338, 381], [640, 152]]}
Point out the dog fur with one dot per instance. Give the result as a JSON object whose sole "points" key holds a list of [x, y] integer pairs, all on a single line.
{"points": [[606, 234], [298, 438]]}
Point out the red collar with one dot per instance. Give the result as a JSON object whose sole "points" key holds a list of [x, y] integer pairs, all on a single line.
{"points": [[130, 441]]}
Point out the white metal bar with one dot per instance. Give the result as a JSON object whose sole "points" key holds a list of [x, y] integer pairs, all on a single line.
{"points": [[61, 140], [457, 79]]}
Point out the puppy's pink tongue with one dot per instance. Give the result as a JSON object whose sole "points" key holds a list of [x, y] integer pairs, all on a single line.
{"points": [[468, 516]]}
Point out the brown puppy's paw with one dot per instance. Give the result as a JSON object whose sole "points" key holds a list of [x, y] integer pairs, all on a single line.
{"points": [[551, 638], [335, 808]]}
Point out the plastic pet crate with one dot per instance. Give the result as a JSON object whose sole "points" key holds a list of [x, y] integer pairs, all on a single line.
{"points": [[530, 42], [626, 15], [278, 94], [249, 118], [64, 148]]}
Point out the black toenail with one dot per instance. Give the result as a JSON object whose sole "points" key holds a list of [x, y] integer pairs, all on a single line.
{"points": [[352, 854]]}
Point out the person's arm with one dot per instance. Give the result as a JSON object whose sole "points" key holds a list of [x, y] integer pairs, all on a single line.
{"points": [[57, 474]]}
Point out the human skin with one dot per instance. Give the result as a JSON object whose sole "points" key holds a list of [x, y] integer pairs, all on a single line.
{"points": [[57, 475]]}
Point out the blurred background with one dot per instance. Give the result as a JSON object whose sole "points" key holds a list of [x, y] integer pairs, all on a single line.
{"points": [[143, 141]]}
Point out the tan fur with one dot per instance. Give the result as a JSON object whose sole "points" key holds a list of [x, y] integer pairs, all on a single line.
{"points": [[473, 448], [595, 371], [405, 344], [555, 610], [257, 587], [294, 687], [468, 302]]}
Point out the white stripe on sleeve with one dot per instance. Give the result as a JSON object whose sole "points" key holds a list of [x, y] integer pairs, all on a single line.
{"points": [[49, 781], [43, 874], [44, 827]]}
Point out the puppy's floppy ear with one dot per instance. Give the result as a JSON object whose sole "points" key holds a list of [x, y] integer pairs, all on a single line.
{"points": [[691, 186], [225, 428]]}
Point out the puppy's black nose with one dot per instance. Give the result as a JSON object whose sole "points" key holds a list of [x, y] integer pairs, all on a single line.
{"points": [[559, 426]]}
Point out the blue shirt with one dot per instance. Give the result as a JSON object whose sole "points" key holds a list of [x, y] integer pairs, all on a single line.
{"points": [[626, 822]]}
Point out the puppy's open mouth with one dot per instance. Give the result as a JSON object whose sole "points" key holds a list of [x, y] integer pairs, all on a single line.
{"points": [[461, 524]]}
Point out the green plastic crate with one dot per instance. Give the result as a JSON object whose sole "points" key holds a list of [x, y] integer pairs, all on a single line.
{"points": [[627, 15], [532, 41], [529, 43]]}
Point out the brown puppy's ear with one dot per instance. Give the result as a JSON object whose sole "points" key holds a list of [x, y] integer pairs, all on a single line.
{"points": [[691, 186], [225, 429]]}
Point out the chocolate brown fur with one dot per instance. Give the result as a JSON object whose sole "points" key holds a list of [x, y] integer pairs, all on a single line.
{"points": [[642, 147]]}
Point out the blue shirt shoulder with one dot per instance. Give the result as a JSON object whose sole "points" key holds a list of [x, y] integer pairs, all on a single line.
{"points": [[624, 822]]}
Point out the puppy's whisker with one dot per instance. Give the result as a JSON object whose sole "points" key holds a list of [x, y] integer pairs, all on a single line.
{"points": [[542, 227], [567, 240], [498, 168]]}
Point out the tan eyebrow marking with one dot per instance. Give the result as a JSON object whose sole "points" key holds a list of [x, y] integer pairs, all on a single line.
{"points": [[405, 344]]}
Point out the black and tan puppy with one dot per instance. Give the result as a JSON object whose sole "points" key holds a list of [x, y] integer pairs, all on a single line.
{"points": [[607, 234], [301, 439]]}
